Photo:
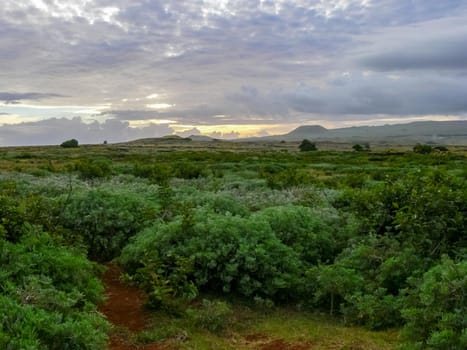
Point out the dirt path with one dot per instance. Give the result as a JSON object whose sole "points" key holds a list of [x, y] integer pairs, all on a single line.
{"points": [[124, 308]]}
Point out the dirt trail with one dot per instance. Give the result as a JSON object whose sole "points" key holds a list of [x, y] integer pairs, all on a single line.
{"points": [[124, 308]]}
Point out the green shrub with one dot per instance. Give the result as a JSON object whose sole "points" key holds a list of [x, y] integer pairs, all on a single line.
{"points": [[357, 148], [422, 149], [89, 169], [307, 145], [48, 297], [104, 220], [435, 311], [313, 235], [159, 173], [286, 178], [73, 143], [231, 254], [189, 170], [211, 315]]}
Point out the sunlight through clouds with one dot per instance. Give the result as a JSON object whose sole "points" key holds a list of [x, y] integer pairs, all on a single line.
{"points": [[230, 65]]}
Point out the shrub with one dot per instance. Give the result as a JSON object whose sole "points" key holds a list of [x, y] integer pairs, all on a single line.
{"points": [[441, 148], [422, 149], [89, 169], [231, 254], [73, 143], [211, 315], [436, 310], [47, 297], [286, 178], [307, 145], [312, 235], [358, 148], [159, 173], [104, 220]]}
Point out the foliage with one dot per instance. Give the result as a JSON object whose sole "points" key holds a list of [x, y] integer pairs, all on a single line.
{"points": [[307, 145], [231, 254], [73, 143], [435, 311], [361, 147], [422, 149], [90, 169], [441, 148], [159, 173], [104, 220], [286, 178], [377, 239], [48, 297], [211, 315], [167, 282]]}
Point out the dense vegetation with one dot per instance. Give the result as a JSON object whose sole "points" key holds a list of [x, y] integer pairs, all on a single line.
{"points": [[375, 239]]}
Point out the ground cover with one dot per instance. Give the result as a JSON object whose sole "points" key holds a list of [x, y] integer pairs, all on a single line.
{"points": [[255, 246]]}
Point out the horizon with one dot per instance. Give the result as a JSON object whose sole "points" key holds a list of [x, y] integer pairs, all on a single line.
{"points": [[96, 70]]}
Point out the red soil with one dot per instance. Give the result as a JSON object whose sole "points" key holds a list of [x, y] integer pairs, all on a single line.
{"points": [[124, 308]]}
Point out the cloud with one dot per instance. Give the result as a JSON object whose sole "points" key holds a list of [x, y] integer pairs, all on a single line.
{"points": [[224, 135], [410, 48], [10, 97], [362, 95], [189, 132], [237, 62], [56, 130]]}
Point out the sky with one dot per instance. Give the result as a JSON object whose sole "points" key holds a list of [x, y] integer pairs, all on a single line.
{"points": [[118, 70]]}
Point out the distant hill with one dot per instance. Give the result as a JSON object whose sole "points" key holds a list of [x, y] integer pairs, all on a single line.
{"points": [[201, 138], [448, 132], [307, 130], [445, 133], [163, 139]]}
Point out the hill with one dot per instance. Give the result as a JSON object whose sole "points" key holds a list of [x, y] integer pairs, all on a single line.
{"points": [[448, 132]]}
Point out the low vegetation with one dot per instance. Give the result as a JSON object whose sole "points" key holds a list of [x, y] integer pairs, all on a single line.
{"points": [[220, 239]]}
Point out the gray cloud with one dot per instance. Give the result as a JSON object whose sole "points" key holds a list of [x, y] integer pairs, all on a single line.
{"points": [[359, 94], [238, 62], [18, 96], [450, 55], [410, 48], [56, 130]]}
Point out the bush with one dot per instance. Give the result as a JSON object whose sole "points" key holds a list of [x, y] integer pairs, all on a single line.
{"points": [[73, 143], [159, 173], [230, 254], [358, 148], [422, 149], [307, 145], [105, 220], [312, 235], [436, 310], [212, 315], [89, 169], [48, 297], [286, 178]]}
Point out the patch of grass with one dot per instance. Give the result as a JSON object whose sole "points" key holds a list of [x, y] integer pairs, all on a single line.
{"points": [[249, 328], [323, 332]]}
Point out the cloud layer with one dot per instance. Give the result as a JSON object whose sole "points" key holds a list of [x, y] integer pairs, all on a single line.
{"points": [[229, 62]]}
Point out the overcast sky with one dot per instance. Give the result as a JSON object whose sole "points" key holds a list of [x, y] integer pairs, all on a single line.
{"points": [[116, 69]]}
